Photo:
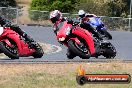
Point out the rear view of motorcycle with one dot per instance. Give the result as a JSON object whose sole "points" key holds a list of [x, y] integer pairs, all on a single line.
{"points": [[12, 45], [97, 24]]}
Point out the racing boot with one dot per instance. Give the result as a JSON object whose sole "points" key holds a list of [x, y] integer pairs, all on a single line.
{"points": [[30, 41]]}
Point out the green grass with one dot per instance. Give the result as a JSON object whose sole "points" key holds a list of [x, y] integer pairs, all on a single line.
{"points": [[38, 80], [44, 80], [57, 75]]}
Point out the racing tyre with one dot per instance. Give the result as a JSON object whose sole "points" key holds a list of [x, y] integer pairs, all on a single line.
{"points": [[39, 51], [70, 54], [10, 51], [80, 50]]}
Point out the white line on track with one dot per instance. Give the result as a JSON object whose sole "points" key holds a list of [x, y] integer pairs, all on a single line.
{"points": [[56, 51]]}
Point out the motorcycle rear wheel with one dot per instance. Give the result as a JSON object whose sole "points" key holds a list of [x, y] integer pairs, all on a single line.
{"points": [[11, 52], [110, 52]]}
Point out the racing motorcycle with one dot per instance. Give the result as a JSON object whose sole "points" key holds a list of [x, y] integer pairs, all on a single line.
{"points": [[14, 46], [81, 43], [97, 24]]}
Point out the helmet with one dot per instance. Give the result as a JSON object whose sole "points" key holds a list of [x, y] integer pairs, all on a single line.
{"points": [[81, 13], [55, 15]]}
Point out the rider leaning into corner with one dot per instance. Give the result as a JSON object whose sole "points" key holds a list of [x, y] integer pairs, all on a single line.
{"points": [[56, 19], [7, 23], [84, 22]]}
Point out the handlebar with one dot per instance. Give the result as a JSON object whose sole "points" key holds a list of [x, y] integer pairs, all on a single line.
{"points": [[73, 23]]}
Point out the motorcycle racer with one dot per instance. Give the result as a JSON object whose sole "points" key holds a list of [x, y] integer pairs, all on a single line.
{"points": [[7, 23], [65, 34], [56, 19], [58, 23], [84, 22]]}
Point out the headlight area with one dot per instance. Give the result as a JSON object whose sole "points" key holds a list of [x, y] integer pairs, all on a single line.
{"points": [[61, 39]]}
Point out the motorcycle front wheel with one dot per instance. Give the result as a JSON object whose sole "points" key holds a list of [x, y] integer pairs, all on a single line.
{"points": [[80, 50], [10, 51], [70, 54]]}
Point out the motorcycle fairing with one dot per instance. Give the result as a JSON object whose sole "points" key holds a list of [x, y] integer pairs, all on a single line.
{"points": [[97, 23], [22, 47], [62, 31], [76, 40], [85, 35]]}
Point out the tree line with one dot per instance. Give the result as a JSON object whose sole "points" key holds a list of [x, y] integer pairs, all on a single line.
{"points": [[118, 8]]}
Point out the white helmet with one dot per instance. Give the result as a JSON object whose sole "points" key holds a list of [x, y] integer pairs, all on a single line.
{"points": [[55, 15], [81, 13]]}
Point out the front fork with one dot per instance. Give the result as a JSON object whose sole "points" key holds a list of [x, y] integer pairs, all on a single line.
{"points": [[74, 39], [7, 42]]}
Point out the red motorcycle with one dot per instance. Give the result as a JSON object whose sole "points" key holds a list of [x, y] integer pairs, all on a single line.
{"points": [[14, 46], [80, 42]]}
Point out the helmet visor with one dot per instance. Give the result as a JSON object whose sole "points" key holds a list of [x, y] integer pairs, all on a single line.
{"points": [[82, 15], [53, 20]]}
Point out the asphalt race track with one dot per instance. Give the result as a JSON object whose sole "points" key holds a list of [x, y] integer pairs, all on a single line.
{"points": [[121, 40]]}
